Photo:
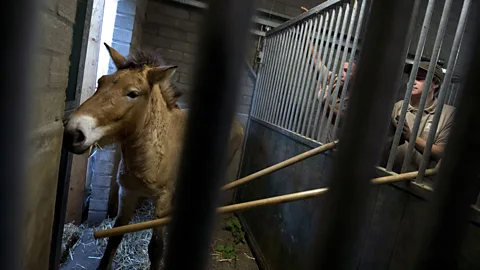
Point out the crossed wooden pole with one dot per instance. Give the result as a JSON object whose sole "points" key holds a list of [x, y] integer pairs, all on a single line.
{"points": [[164, 217]]}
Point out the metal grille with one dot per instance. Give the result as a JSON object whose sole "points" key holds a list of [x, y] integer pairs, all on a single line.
{"points": [[286, 92], [291, 85]]}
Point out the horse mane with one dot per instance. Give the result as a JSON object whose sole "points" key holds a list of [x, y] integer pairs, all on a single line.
{"points": [[141, 59]]}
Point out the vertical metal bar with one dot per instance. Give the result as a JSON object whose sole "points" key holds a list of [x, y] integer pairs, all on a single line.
{"points": [[271, 67], [262, 74], [452, 61], [256, 103], [313, 71], [428, 81], [278, 76], [325, 51], [202, 166], [411, 81], [318, 75], [366, 121], [294, 75], [299, 73], [329, 67], [344, 58], [456, 96], [352, 57], [288, 93], [456, 189], [324, 129], [285, 68], [451, 94], [307, 75], [271, 75]]}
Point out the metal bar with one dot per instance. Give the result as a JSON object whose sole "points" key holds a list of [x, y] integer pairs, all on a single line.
{"points": [[452, 61], [428, 81], [299, 74], [450, 94], [268, 77], [316, 79], [344, 58], [411, 81], [349, 69], [303, 73], [274, 78], [325, 50], [307, 74], [262, 75], [296, 41], [294, 75], [457, 183], [366, 122], [310, 79], [329, 68], [455, 97], [280, 63], [223, 43], [330, 85], [285, 68], [259, 83], [303, 16]]}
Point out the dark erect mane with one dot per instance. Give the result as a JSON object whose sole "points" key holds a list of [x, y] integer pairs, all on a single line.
{"points": [[147, 58], [141, 58]]}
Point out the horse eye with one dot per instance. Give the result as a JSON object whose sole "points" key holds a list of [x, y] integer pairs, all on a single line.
{"points": [[133, 94]]}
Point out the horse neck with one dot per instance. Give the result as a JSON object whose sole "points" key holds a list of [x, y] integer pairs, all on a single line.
{"points": [[148, 146]]}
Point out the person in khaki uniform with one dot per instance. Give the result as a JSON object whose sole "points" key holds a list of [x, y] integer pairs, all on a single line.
{"points": [[443, 129]]}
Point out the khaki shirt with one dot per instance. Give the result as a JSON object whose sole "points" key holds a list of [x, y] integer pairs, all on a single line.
{"points": [[441, 135]]}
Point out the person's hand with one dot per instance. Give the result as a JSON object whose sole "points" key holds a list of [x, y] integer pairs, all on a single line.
{"points": [[304, 9], [406, 131]]}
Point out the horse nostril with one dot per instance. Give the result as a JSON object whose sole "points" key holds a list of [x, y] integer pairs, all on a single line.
{"points": [[78, 137]]}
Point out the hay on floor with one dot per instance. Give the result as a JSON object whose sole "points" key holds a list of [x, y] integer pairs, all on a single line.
{"points": [[70, 236], [133, 250]]}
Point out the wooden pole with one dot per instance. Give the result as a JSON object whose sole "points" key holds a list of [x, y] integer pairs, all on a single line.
{"points": [[401, 177], [252, 204], [280, 165], [269, 170]]}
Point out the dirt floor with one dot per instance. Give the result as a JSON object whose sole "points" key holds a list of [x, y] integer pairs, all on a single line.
{"points": [[228, 248]]}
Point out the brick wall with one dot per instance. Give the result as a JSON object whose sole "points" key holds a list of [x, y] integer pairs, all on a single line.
{"points": [[56, 18]]}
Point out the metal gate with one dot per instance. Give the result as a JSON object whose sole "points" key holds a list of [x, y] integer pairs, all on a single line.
{"points": [[385, 223]]}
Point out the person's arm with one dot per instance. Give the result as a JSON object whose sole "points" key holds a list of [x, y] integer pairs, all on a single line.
{"points": [[336, 113], [438, 146], [317, 61], [437, 150]]}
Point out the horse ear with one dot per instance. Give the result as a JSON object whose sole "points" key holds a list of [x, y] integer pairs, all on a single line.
{"points": [[117, 58], [160, 74]]}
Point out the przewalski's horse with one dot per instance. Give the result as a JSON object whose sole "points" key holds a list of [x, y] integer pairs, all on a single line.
{"points": [[136, 106]]}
